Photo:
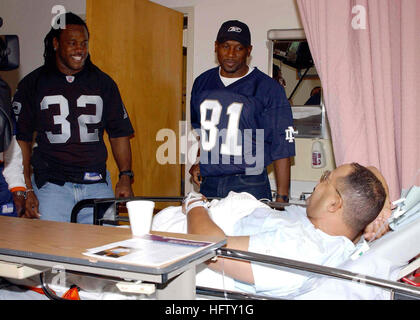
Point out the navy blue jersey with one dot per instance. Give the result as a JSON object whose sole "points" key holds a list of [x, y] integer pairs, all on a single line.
{"points": [[69, 116], [241, 126]]}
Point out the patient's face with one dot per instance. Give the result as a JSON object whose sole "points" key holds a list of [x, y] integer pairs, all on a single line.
{"points": [[325, 190]]}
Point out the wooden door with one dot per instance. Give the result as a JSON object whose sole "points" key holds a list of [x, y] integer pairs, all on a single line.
{"points": [[139, 44]]}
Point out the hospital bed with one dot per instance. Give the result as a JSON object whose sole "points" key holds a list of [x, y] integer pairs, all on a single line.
{"points": [[374, 275]]}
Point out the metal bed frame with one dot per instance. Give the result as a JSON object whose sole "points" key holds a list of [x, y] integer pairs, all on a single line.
{"points": [[399, 291], [101, 205]]}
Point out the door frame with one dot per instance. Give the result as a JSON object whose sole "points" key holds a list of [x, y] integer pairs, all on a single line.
{"points": [[189, 13]]}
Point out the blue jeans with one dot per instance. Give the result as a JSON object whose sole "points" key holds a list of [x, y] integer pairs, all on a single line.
{"points": [[56, 202], [220, 186]]}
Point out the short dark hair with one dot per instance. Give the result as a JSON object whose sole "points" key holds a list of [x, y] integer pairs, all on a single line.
{"points": [[364, 197], [49, 53]]}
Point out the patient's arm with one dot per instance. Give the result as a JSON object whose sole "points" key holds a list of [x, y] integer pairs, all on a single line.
{"points": [[199, 222], [375, 225], [383, 216]]}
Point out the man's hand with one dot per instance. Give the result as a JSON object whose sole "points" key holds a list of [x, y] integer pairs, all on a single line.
{"points": [[282, 174], [123, 188], [195, 174], [19, 200], [121, 150], [31, 206]]}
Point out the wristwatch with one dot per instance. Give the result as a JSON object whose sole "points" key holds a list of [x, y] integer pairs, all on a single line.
{"points": [[20, 193], [126, 173], [284, 197]]}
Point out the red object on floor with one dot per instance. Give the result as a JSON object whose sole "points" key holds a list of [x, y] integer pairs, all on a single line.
{"points": [[72, 293]]}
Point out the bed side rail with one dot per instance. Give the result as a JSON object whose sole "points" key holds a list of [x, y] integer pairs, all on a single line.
{"points": [[400, 289]]}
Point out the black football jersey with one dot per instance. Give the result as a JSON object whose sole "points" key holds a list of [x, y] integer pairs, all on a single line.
{"points": [[69, 115]]}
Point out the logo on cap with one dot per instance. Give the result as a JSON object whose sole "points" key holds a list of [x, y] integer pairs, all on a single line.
{"points": [[235, 29]]}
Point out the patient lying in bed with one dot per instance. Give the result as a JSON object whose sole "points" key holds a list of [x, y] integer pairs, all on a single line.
{"points": [[341, 207]]}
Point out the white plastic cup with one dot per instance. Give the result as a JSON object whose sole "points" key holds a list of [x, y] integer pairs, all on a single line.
{"points": [[140, 213]]}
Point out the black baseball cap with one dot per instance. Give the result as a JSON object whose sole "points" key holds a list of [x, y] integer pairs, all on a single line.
{"points": [[234, 30]]}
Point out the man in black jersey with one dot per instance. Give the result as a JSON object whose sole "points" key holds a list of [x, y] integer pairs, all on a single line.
{"points": [[69, 102]]}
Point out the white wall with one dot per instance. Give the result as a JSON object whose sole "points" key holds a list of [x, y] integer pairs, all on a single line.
{"points": [[31, 21], [260, 16]]}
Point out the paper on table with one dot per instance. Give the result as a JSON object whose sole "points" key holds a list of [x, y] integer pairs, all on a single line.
{"points": [[148, 250]]}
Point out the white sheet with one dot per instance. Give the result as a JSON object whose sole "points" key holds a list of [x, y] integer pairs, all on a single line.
{"points": [[225, 212]]}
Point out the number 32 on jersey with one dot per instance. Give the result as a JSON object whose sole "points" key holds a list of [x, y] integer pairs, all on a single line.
{"points": [[231, 146], [83, 120]]}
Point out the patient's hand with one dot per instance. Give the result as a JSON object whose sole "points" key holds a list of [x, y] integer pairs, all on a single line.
{"points": [[376, 224], [190, 199], [384, 215]]}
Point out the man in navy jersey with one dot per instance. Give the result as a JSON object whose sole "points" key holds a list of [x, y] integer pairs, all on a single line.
{"points": [[69, 102], [241, 116]]}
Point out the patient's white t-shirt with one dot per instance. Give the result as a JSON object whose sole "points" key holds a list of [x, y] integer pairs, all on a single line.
{"points": [[288, 234]]}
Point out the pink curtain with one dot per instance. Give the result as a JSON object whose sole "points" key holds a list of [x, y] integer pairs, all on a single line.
{"points": [[367, 54]]}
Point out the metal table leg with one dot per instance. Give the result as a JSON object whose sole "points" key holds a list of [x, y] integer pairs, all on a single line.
{"points": [[181, 287]]}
